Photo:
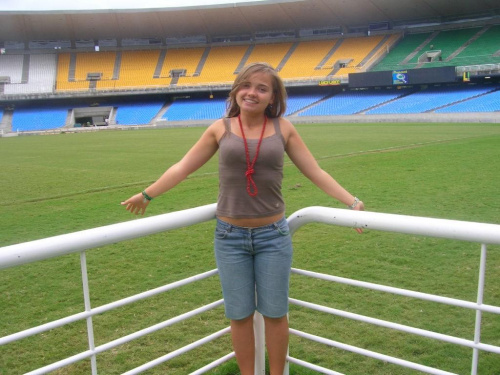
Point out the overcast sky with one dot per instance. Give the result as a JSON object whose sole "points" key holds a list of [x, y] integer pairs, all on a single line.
{"points": [[44, 5]]}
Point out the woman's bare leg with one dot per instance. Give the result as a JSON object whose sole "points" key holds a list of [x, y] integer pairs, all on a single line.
{"points": [[277, 343], [244, 344]]}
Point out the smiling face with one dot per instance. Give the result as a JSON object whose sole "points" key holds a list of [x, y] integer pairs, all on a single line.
{"points": [[256, 86], [255, 93]]}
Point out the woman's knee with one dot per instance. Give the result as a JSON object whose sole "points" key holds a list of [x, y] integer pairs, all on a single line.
{"points": [[243, 321], [279, 320]]}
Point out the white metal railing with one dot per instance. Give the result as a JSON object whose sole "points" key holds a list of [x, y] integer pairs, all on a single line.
{"points": [[33, 251], [450, 229], [46, 248]]}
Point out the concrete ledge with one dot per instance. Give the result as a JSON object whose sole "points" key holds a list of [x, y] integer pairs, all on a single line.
{"points": [[479, 117]]}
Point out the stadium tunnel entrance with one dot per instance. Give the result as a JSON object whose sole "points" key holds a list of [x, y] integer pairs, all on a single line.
{"points": [[92, 116]]}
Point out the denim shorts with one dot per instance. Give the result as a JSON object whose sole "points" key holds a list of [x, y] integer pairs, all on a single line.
{"points": [[254, 268]]}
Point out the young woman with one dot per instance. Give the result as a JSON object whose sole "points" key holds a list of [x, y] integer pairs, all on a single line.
{"points": [[253, 248]]}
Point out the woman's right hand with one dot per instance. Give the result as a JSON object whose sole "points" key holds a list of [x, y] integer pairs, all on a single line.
{"points": [[360, 206], [136, 204]]}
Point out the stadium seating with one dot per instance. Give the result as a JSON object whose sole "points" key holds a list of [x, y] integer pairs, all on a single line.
{"points": [[39, 118], [44, 118], [211, 65], [137, 113], [458, 47], [397, 58], [31, 74], [218, 66], [184, 59], [351, 102], [305, 60], [134, 69], [335, 57], [296, 103], [480, 98], [448, 42], [195, 109], [66, 76], [71, 73], [320, 59], [117, 70], [272, 53], [356, 49], [489, 102], [482, 50], [429, 99], [9, 67]]}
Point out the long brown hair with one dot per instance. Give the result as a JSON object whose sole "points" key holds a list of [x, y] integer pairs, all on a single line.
{"points": [[277, 108]]}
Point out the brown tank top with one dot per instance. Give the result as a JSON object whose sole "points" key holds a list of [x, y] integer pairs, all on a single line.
{"points": [[234, 200]]}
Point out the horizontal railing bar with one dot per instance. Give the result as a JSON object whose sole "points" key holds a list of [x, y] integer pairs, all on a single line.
{"points": [[398, 327], [157, 327], [403, 292], [50, 247], [65, 362], [87, 239], [99, 349], [43, 328], [371, 354], [214, 364], [101, 309], [312, 367], [178, 352], [431, 227], [153, 292]]}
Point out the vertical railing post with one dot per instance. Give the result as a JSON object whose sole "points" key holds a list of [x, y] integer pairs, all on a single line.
{"points": [[86, 298], [480, 293], [260, 344]]}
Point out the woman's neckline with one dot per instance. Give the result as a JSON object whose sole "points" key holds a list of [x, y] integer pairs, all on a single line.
{"points": [[252, 139]]}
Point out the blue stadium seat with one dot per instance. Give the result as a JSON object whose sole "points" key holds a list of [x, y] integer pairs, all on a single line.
{"points": [[138, 113], [195, 109], [428, 100], [297, 102], [489, 102], [33, 119], [351, 102]]}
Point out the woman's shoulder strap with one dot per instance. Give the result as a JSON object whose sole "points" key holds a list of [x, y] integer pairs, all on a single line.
{"points": [[227, 124], [276, 123], [277, 128]]}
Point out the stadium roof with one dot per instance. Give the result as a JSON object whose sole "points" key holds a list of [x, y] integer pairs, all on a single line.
{"points": [[58, 5], [223, 18]]}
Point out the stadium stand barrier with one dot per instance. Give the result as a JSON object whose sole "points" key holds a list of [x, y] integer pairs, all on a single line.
{"points": [[79, 242]]}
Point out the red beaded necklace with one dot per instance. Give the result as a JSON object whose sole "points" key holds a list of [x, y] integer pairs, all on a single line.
{"points": [[251, 186]]}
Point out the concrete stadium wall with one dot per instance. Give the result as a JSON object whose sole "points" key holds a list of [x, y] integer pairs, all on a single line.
{"points": [[479, 117]]}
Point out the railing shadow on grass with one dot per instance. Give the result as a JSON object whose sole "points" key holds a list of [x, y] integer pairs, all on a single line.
{"points": [[29, 252]]}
